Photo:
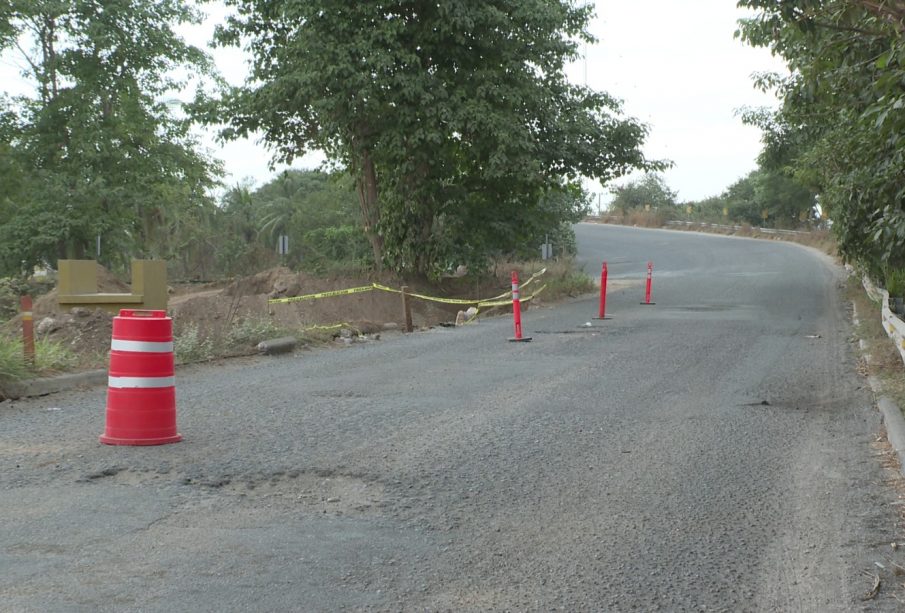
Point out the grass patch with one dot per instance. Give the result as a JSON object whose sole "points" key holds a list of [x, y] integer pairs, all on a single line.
{"points": [[192, 343], [51, 357], [885, 361], [249, 332], [562, 280]]}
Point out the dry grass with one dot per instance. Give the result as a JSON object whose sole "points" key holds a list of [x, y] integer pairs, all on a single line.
{"points": [[562, 280]]}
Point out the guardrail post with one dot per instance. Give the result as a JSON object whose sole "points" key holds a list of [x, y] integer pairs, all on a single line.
{"points": [[406, 309]]}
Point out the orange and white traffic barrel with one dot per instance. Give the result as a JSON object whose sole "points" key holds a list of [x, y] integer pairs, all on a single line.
{"points": [[141, 392]]}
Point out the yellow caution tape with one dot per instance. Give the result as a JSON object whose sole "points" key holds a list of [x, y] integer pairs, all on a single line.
{"points": [[495, 301], [423, 297], [338, 292], [331, 327]]}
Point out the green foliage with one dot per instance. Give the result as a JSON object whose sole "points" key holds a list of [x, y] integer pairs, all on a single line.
{"points": [[50, 357], [572, 284], [250, 332], [786, 201], [651, 190], [94, 151], [316, 210], [12, 365], [455, 120], [190, 344], [10, 291], [841, 127], [895, 281]]}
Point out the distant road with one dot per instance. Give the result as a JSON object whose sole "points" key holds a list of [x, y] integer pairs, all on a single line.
{"points": [[711, 452]]}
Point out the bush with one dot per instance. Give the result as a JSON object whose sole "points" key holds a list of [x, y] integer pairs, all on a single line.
{"points": [[191, 346], [895, 281]]}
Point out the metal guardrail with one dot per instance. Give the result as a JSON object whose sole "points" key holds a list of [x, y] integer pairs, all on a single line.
{"points": [[735, 228]]}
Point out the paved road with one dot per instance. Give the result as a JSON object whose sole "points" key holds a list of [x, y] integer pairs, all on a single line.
{"points": [[713, 452]]}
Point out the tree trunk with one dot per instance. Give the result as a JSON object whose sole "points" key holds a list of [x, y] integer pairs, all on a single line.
{"points": [[370, 207]]}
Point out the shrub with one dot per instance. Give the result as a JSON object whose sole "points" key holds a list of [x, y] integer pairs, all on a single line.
{"points": [[190, 345], [895, 281]]}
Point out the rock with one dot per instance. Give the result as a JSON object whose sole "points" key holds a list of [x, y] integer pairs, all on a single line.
{"points": [[471, 313], [47, 325], [80, 311], [390, 325], [345, 333], [461, 270], [279, 287], [460, 318]]}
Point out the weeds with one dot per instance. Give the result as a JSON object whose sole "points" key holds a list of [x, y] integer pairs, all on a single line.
{"points": [[561, 279], [191, 345], [250, 332], [50, 357], [12, 364], [885, 361]]}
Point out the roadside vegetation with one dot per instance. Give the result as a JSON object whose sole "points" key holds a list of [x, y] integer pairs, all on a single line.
{"points": [[50, 358], [884, 361], [431, 177]]}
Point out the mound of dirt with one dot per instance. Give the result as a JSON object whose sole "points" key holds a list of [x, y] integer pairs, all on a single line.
{"points": [[241, 307]]}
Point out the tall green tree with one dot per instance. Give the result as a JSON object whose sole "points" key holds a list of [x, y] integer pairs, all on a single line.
{"points": [[841, 126], [100, 150], [446, 115]]}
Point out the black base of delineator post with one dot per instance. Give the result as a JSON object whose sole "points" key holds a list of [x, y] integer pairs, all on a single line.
{"points": [[524, 339], [648, 303], [602, 318]]}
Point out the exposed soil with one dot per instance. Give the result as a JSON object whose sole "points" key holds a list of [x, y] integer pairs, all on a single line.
{"points": [[216, 308]]}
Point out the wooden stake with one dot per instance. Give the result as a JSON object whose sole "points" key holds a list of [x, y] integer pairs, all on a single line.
{"points": [[28, 330], [407, 309]]}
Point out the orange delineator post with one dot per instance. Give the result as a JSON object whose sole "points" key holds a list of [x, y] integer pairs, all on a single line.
{"points": [[650, 274], [517, 312], [28, 330], [603, 277], [141, 392]]}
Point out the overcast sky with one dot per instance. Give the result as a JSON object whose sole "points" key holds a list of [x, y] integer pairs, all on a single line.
{"points": [[675, 63]]}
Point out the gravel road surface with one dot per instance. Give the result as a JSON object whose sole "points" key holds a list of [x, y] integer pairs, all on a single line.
{"points": [[714, 452]]}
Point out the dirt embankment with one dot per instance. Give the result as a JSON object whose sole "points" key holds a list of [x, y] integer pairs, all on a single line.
{"points": [[213, 310]]}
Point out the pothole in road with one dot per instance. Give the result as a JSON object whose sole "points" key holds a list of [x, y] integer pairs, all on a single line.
{"points": [[321, 492], [703, 308], [334, 494]]}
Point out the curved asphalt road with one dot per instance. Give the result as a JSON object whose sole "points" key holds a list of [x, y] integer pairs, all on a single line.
{"points": [[713, 452]]}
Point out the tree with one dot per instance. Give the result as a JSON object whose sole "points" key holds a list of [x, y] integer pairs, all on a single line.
{"points": [[651, 190], [445, 114], [100, 152], [786, 200], [841, 127]]}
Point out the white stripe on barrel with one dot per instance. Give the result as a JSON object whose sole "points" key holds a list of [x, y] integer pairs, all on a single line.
{"points": [[141, 346], [141, 382]]}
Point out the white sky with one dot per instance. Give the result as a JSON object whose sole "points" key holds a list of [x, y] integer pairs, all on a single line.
{"points": [[675, 63]]}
